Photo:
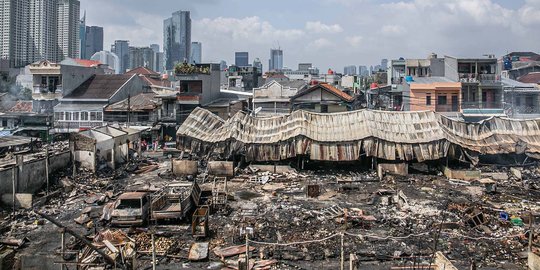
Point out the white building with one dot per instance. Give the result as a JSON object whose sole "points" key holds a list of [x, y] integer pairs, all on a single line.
{"points": [[108, 58]]}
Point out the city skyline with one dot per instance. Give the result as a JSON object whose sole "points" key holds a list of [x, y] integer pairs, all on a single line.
{"points": [[365, 39]]}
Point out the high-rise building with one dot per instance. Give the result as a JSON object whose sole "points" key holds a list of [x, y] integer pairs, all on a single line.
{"points": [[68, 29], [258, 64], [42, 30], [82, 38], [34, 30], [121, 49], [177, 39], [93, 41], [222, 65], [108, 58], [384, 64], [363, 71], [241, 59], [304, 66], [141, 57], [196, 52], [349, 70], [276, 59], [158, 59], [14, 31]]}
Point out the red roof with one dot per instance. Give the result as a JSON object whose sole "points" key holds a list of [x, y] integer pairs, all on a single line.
{"points": [[533, 77], [22, 106], [87, 63], [142, 71], [328, 88]]}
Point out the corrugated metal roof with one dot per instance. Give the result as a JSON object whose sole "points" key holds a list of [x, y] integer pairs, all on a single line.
{"points": [[99, 87], [342, 136]]}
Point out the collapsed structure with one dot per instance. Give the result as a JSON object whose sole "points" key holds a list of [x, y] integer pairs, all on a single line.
{"points": [[404, 136]]}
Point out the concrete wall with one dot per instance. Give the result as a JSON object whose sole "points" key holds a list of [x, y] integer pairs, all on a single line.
{"points": [[134, 86], [86, 158], [533, 261], [32, 174], [74, 76]]}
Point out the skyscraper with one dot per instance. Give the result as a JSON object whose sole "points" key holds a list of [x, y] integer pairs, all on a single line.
{"points": [[258, 64], [93, 40], [276, 59], [43, 32], [108, 58], [141, 57], [14, 31], [196, 52], [34, 30], [158, 59], [68, 29], [349, 70], [384, 64], [177, 39], [82, 38], [155, 47], [121, 49], [241, 59]]}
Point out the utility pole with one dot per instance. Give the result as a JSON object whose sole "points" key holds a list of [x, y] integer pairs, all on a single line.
{"points": [[128, 109]]}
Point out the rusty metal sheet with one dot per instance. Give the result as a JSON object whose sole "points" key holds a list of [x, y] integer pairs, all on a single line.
{"points": [[231, 251]]}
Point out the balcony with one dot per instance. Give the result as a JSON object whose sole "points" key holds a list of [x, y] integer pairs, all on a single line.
{"points": [[447, 108], [482, 105], [77, 124], [188, 98], [476, 78]]}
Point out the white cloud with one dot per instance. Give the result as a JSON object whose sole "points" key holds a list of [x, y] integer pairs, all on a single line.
{"points": [[321, 28], [354, 41], [319, 44]]}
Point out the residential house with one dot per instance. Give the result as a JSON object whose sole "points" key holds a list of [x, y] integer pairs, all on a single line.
{"points": [[438, 94], [482, 87], [139, 111], [322, 98], [522, 100], [533, 77], [273, 98], [84, 107], [517, 64], [246, 77], [53, 81]]}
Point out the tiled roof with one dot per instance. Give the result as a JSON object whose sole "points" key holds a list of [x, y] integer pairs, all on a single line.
{"points": [[22, 106], [533, 77], [328, 88], [140, 102], [80, 62], [99, 87], [142, 71]]}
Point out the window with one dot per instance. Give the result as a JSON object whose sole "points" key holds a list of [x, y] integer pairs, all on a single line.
{"points": [[84, 116], [441, 100], [428, 100], [484, 96], [324, 108], [99, 116], [518, 101], [75, 116], [61, 116], [68, 116]]}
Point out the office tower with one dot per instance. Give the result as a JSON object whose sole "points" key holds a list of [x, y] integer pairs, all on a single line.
{"points": [[196, 52], [222, 65], [82, 38], [276, 59], [304, 66], [177, 39], [121, 49], [68, 29], [349, 70], [43, 30], [93, 41], [241, 59], [384, 64]]}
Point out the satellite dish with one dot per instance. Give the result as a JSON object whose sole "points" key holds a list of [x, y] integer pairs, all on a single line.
{"points": [[258, 110]]}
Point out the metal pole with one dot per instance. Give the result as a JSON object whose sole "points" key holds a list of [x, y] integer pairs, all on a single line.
{"points": [[247, 249], [47, 167], [153, 252], [13, 179], [63, 243], [342, 254], [530, 230]]}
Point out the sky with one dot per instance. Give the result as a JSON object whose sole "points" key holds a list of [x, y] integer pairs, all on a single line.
{"points": [[329, 33]]}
